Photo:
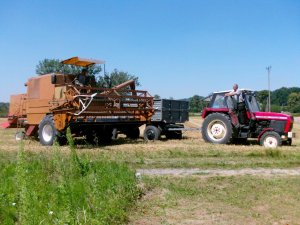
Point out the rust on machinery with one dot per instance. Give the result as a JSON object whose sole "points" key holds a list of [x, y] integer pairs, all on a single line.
{"points": [[82, 102], [17, 111], [73, 99]]}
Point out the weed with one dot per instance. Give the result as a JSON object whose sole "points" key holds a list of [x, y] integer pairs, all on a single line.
{"points": [[273, 153], [64, 189]]}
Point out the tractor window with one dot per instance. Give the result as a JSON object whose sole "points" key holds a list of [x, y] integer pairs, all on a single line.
{"points": [[231, 102], [219, 101], [252, 103]]}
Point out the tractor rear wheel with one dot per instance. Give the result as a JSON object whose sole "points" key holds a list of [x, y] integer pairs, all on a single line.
{"points": [[270, 139], [217, 128], [48, 133]]}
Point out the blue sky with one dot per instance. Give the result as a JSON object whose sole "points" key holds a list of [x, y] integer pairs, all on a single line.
{"points": [[177, 48]]}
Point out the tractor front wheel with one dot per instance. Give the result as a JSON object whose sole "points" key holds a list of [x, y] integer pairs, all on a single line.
{"points": [[217, 128], [270, 139]]}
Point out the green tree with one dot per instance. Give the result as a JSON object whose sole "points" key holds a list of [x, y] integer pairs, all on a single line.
{"points": [[116, 77], [156, 97], [294, 102], [196, 104], [46, 66], [262, 98], [280, 96], [4, 109]]}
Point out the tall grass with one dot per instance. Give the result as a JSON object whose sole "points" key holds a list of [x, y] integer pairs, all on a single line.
{"points": [[64, 189]]}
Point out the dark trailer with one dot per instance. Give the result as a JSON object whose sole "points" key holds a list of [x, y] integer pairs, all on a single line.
{"points": [[168, 119]]}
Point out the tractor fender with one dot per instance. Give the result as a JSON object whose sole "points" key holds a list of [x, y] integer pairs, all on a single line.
{"points": [[208, 111], [264, 131]]}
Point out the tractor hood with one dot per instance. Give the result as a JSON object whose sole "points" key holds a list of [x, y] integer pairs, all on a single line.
{"points": [[272, 116], [275, 117]]}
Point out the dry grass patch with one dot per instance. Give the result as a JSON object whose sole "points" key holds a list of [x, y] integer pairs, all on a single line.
{"points": [[189, 152], [220, 200]]}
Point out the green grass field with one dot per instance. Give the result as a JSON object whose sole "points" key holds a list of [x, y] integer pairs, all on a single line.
{"points": [[96, 185], [60, 188]]}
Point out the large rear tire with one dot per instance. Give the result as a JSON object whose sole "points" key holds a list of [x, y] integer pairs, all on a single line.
{"points": [[270, 139], [217, 128]]}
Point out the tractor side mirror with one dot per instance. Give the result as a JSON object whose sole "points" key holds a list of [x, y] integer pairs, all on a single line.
{"points": [[53, 79]]}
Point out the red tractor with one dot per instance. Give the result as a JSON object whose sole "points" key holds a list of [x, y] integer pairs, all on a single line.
{"points": [[226, 120]]}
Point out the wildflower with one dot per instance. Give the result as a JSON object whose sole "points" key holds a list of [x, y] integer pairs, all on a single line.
{"points": [[138, 175], [51, 212], [13, 204]]}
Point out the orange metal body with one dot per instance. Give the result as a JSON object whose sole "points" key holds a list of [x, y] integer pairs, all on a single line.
{"points": [[40, 92], [72, 102]]}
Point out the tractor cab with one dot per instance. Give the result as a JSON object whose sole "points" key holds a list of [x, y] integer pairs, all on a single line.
{"points": [[235, 118], [239, 106]]}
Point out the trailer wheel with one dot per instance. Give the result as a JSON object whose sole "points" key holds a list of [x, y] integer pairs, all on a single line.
{"points": [[20, 135], [217, 128], [115, 134], [47, 131], [270, 139], [133, 133], [151, 133]]}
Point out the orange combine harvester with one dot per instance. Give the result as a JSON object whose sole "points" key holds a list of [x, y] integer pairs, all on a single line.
{"points": [[56, 101]]}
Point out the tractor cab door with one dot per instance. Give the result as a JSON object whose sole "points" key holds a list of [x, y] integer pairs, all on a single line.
{"points": [[251, 103]]}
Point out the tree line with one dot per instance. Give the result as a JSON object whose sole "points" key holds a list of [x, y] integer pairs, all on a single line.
{"points": [[4, 109]]}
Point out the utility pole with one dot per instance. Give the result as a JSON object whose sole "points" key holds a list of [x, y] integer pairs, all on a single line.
{"points": [[269, 99]]}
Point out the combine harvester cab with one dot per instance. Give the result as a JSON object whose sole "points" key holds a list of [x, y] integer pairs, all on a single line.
{"points": [[55, 101]]}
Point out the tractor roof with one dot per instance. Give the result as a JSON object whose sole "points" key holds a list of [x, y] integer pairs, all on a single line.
{"points": [[209, 97], [81, 61], [243, 90]]}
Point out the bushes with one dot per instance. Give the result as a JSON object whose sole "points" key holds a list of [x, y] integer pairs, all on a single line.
{"points": [[60, 189]]}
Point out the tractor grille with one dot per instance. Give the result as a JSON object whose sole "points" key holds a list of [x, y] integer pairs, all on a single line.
{"points": [[278, 125]]}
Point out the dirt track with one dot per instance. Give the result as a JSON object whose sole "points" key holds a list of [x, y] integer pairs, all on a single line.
{"points": [[219, 172]]}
